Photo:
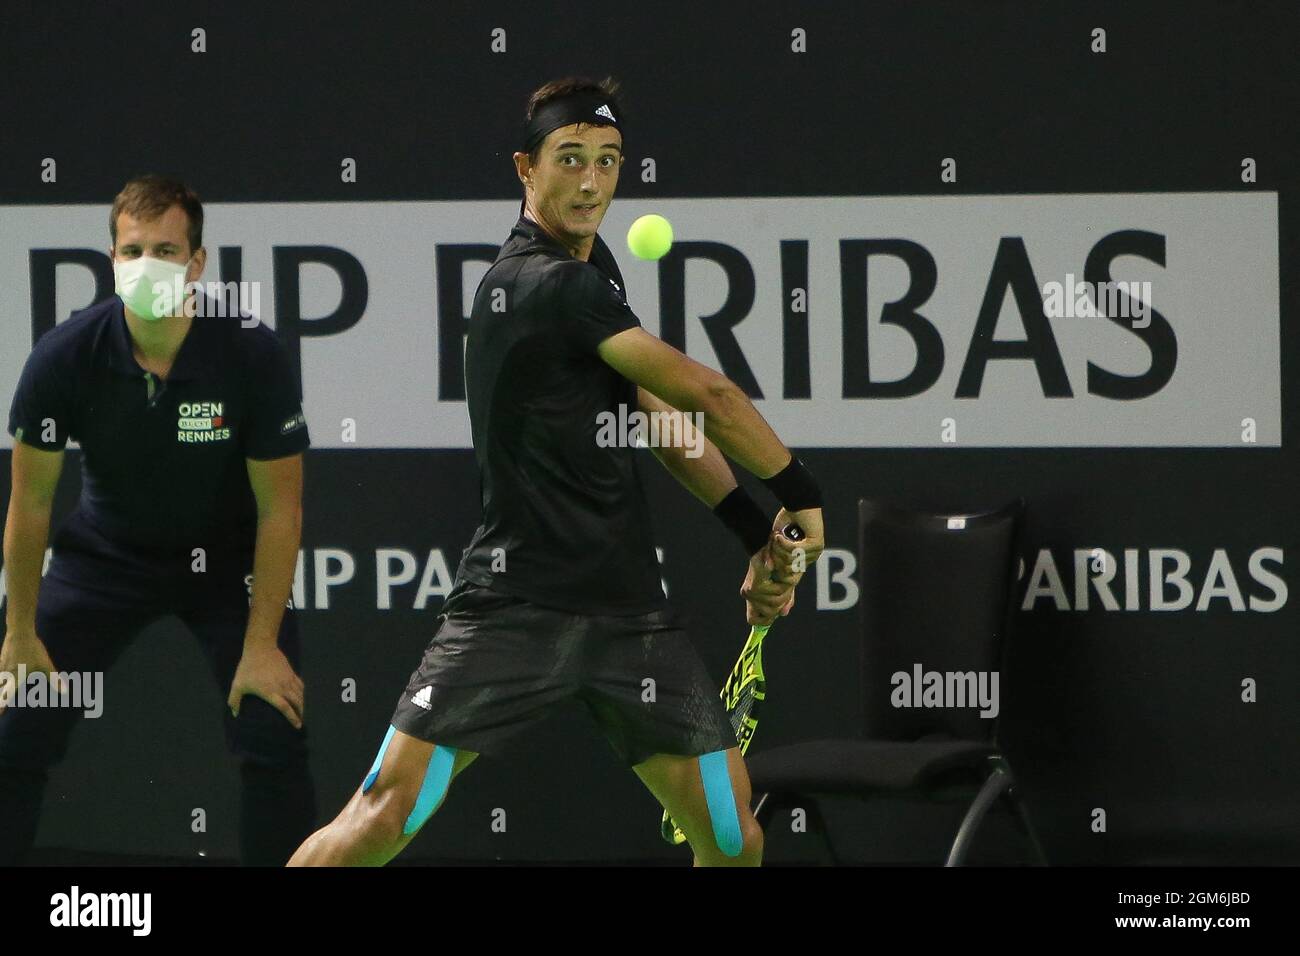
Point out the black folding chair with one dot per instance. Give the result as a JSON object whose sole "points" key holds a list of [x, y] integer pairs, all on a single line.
{"points": [[937, 592]]}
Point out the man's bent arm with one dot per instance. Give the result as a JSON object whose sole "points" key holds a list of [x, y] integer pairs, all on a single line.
{"points": [[705, 475], [27, 529], [731, 421], [277, 487]]}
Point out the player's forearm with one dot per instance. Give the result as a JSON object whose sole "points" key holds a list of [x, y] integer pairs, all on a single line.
{"points": [[27, 529], [733, 424], [730, 420], [279, 533], [706, 475], [696, 463]]}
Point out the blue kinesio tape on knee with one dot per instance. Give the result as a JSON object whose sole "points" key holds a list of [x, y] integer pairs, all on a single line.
{"points": [[722, 802], [436, 780], [379, 760]]}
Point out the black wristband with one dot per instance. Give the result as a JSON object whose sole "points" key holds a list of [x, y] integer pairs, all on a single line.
{"points": [[741, 513], [795, 487]]}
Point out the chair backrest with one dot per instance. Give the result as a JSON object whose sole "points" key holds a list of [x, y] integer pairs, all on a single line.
{"points": [[936, 599]]}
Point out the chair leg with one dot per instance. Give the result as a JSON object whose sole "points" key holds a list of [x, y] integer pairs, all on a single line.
{"points": [[1012, 797], [994, 786], [819, 823], [765, 807]]}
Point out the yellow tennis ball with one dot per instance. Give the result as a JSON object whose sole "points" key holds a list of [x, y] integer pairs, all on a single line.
{"points": [[650, 237]]}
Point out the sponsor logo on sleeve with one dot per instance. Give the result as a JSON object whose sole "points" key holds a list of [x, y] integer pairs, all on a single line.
{"points": [[293, 424]]}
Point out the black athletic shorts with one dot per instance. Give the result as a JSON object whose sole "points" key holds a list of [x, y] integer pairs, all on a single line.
{"points": [[498, 664]]}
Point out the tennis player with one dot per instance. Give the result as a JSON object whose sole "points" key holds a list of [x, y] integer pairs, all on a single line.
{"points": [[558, 595], [191, 433]]}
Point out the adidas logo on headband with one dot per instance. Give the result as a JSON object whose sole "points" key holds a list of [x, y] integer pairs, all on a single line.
{"points": [[605, 111]]}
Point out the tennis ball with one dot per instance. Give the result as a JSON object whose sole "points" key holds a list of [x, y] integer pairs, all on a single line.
{"points": [[650, 237]]}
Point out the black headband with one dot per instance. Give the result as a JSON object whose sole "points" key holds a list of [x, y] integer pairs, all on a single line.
{"points": [[581, 107]]}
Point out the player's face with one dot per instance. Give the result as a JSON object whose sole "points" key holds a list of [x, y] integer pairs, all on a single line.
{"points": [[166, 237], [575, 177]]}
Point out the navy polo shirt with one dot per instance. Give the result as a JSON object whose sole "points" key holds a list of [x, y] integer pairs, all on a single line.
{"points": [[162, 462]]}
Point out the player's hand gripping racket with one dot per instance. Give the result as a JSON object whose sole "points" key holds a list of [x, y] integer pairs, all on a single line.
{"points": [[744, 690]]}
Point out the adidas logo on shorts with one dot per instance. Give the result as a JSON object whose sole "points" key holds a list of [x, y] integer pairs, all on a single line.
{"points": [[423, 697]]}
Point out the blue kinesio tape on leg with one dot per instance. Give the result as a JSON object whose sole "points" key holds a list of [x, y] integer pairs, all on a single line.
{"points": [[722, 802], [436, 780], [379, 760]]}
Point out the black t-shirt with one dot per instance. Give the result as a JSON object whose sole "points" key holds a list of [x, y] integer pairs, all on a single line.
{"points": [[162, 462], [565, 521]]}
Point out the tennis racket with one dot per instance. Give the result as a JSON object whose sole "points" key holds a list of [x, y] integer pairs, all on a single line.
{"points": [[744, 690]]}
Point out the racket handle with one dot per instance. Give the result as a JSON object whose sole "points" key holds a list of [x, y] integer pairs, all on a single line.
{"points": [[794, 533]]}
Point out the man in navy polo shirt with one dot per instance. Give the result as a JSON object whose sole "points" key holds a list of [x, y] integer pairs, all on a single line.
{"points": [[191, 434]]}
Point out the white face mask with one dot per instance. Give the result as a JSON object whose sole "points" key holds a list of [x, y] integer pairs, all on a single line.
{"points": [[151, 288]]}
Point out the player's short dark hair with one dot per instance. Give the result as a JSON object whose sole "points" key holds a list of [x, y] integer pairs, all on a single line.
{"points": [[148, 197], [608, 88]]}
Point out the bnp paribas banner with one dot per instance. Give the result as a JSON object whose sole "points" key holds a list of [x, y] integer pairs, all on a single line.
{"points": [[1135, 320]]}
